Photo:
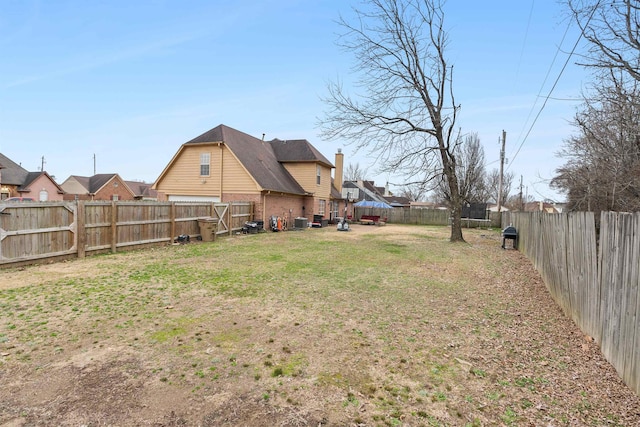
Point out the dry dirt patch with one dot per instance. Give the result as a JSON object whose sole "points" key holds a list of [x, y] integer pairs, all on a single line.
{"points": [[384, 326]]}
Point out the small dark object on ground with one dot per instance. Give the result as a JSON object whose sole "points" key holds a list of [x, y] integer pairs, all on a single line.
{"points": [[252, 227], [183, 238]]}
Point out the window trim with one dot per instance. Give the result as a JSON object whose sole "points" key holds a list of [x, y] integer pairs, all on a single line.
{"points": [[205, 161]]}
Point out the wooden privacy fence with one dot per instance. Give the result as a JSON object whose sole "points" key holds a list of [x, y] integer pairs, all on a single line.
{"points": [[596, 284], [424, 217], [36, 231]]}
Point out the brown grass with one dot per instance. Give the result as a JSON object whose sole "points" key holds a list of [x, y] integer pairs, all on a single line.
{"points": [[380, 326]]}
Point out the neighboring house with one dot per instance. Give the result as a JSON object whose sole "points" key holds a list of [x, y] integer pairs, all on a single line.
{"points": [[398, 201], [282, 178], [356, 191], [493, 207], [41, 187], [361, 190], [107, 186], [16, 181], [540, 206], [142, 190], [429, 205], [532, 207]]}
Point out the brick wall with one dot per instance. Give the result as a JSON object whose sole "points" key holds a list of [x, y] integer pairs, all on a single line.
{"points": [[122, 191]]}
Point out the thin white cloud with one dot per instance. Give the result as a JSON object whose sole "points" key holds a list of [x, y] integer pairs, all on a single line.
{"points": [[89, 63]]}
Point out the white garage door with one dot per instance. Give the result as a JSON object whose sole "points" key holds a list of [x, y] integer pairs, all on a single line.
{"points": [[178, 198]]}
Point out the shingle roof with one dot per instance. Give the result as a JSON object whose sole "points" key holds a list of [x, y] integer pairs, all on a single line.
{"points": [[11, 173], [298, 150], [257, 156], [141, 188], [82, 180], [32, 176], [96, 182], [367, 190], [93, 183], [396, 201]]}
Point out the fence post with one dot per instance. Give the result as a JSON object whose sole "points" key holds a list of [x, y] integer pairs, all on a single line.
{"points": [[81, 233], [114, 226], [229, 218], [172, 221]]}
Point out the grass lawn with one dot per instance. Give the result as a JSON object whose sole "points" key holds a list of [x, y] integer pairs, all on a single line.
{"points": [[379, 326]]}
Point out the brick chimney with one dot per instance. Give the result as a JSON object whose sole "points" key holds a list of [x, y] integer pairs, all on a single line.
{"points": [[337, 180]]}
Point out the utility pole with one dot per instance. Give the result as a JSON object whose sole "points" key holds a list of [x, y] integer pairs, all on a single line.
{"points": [[504, 137], [42, 164], [521, 199], [94, 163]]}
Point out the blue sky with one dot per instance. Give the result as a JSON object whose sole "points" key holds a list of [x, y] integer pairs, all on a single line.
{"points": [[131, 81]]}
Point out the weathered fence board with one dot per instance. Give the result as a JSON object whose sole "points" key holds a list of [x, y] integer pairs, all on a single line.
{"points": [[35, 231], [582, 271], [595, 284], [423, 217], [619, 288]]}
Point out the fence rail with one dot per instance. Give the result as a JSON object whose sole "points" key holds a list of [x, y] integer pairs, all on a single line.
{"points": [[37, 231], [425, 217], [594, 281]]}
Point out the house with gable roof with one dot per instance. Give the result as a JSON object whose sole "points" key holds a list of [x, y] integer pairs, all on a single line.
{"points": [[282, 178], [16, 181], [105, 186], [142, 190]]}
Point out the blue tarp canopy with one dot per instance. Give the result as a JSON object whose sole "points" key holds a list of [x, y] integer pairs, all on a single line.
{"points": [[372, 204]]}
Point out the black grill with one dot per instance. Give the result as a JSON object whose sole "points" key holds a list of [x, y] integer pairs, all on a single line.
{"points": [[510, 233]]}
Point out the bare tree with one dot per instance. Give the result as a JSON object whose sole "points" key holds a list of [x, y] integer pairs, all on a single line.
{"points": [[602, 171], [612, 29], [470, 172], [354, 172], [407, 112], [413, 192], [492, 185]]}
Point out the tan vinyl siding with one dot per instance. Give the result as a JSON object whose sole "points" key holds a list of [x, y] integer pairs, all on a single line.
{"points": [[305, 174], [236, 179], [183, 177]]}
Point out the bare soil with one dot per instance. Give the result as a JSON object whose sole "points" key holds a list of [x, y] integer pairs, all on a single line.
{"points": [[425, 334]]}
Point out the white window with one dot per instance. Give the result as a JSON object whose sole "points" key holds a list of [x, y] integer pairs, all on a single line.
{"points": [[115, 197], [318, 172], [205, 160], [44, 195], [321, 207]]}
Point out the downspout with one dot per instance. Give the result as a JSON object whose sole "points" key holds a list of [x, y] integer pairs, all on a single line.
{"points": [[221, 170], [264, 206]]}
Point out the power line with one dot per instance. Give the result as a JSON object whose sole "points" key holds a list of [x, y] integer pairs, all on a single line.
{"points": [[569, 99], [544, 82], [524, 41], [575, 46]]}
